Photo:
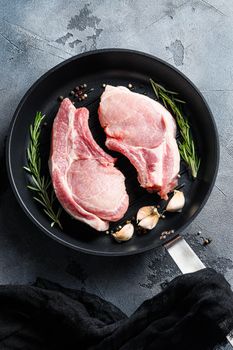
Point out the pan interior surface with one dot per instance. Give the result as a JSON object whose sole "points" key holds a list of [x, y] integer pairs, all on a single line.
{"points": [[115, 67]]}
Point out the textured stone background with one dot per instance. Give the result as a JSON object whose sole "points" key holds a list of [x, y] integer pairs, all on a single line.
{"points": [[196, 36]]}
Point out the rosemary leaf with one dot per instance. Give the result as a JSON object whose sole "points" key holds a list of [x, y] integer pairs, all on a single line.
{"points": [[172, 92], [27, 169], [39, 201], [33, 188], [186, 146], [48, 213], [178, 100]]}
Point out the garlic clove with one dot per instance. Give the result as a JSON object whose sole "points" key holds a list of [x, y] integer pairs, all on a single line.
{"points": [[177, 202], [124, 234], [144, 212], [150, 221], [148, 217]]}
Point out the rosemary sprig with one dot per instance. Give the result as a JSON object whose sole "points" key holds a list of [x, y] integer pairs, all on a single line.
{"points": [[186, 146], [41, 186]]}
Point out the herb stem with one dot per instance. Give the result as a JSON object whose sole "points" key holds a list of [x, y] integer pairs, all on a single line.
{"points": [[41, 185], [186, 146]]}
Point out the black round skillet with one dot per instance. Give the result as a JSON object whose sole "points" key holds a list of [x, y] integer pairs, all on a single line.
{"points": [[116, 67]]}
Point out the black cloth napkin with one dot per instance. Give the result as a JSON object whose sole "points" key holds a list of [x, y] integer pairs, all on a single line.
{"points": [[195, 311]]}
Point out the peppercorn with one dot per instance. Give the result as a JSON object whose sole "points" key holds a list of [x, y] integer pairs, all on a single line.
{"points": [[206, 241]]}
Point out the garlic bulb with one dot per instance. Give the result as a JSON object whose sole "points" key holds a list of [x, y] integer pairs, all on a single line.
{"points": [[177, 202], [148, 217], [124, 234]]}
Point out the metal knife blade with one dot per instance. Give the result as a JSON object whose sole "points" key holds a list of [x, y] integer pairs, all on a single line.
{"points": [[230, 338], [187, 261], [183, 255]]}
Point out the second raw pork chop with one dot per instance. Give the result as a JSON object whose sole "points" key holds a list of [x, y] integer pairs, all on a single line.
{"points": [[144, 131], [84, 178]]}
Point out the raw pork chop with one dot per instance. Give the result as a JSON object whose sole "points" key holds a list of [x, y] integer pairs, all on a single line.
{"points": [[84, 178], [144, 131]]}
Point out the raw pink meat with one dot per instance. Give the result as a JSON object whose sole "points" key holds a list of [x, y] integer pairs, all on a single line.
{"points": [[84, 178], [144, 131]]}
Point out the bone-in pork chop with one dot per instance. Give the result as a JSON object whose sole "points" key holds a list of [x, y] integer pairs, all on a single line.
{"points": [[144, 131], [84, 178]]}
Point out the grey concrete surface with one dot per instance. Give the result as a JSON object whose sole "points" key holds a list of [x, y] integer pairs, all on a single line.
{"points": [[196, 36]]}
